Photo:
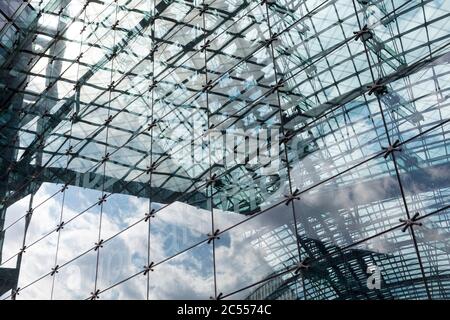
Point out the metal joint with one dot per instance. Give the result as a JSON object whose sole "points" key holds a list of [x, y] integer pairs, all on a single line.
{"points": [[391, 149], [205, 46], [378, 88], [219, 297], [65, 187], [102, 199], [153, 50], [74, 117], [208, 86], [69, 151], [15, 293], [60, 226], [152, 125], [409, 223], [79, 58], [98, 245], [267, 2], [29, 213], [277, 86], [302, 266], [273, 38], [213, 236], [153, 86], [291, 197], [203, 9], [151, 168], [108, 120], [287, 137], [212, 181], [112, 86], [105, 158]]}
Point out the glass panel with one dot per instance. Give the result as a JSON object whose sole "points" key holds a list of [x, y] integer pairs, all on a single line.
{"points": [[13, 232], [75, 280], [188, 276], [37, 261], [82, 219], [175, 228], [123, 256], [260, 247]]}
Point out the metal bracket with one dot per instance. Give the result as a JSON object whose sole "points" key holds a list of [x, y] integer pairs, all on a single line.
{"points": [[302, 266], [205, 46], [102, 199], [149, 215], [95, 295], [148, 268], [60, 226], [273, 38], [364, 34], [98, 245], [54, 270], [378, 88], [213, 236]]}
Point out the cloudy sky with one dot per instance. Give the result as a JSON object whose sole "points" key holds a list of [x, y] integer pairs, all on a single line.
{"points": [[189, 275]]}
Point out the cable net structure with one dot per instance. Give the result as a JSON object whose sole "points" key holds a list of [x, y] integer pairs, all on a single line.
{"points": [[197, 149]]}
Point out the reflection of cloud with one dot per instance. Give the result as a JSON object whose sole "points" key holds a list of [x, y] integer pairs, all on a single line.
{"points": [[13, 236], [189, 275], [239, 264]]}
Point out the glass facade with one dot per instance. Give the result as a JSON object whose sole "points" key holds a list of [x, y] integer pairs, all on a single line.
{"points": [[224, 149]]}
